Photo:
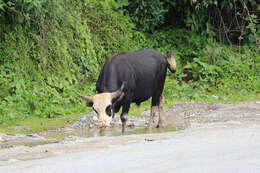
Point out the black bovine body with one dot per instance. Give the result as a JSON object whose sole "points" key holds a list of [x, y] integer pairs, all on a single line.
{"points": [[143, 73]]}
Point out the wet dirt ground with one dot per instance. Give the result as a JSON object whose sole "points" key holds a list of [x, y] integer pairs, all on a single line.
{"points": [[183, 119]]}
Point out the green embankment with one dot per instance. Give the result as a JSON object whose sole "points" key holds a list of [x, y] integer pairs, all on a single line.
{"points": [[51, 49]]}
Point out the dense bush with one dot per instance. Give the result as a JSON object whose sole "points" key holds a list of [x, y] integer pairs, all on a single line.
{"points": [[207, 63], [230, 22], [148, 15], [50, 49]]}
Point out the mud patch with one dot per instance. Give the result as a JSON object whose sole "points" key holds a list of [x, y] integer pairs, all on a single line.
{"points": [[10, 140], [154, 130], [179, 117]]}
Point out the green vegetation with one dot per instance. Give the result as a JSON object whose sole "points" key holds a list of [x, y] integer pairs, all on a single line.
{"points": [[34, 124], [51, 49], [28, 144], [58, 136]]}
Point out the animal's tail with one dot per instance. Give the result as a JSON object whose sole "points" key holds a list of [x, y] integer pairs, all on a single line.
{"points": [[171, 59]]}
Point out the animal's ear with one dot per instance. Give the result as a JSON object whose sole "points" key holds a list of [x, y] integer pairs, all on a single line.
{"points": [[89, 104]]}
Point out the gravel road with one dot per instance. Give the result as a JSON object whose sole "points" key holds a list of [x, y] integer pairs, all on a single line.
{"points": [[216, 138]]}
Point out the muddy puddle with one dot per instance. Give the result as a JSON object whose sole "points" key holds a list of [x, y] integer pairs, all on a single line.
{"points": [[179, 117], [86, 126]]}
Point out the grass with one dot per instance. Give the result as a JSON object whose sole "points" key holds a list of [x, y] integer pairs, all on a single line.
{"points": [[28, 144], [37, 124]]}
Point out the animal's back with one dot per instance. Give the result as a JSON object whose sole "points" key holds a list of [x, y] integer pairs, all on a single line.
{"points": [[140, 71]]}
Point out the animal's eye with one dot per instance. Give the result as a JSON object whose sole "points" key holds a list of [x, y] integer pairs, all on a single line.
{"points": [[109, 110]]}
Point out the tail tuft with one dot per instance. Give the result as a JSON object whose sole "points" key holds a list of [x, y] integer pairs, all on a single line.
{"points": [[171, 59]]}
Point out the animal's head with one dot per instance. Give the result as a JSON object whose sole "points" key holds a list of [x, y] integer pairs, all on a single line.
{"points": [[103, 105]]}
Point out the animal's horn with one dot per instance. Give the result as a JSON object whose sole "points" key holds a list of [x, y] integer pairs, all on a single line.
{"points": [[89, 99], [118, 92]]}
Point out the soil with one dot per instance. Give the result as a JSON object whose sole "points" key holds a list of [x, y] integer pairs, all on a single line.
{"points": [[83, 135]]}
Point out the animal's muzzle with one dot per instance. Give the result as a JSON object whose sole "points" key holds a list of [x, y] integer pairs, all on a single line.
{"points": [[102, 124]]}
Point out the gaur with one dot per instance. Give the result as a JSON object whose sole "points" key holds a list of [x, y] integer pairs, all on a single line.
{"points": [[131, 78]]}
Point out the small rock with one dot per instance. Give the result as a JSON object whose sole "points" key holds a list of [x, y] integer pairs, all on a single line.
{"points": [[31, 136], [95, 118], [149, 140]]}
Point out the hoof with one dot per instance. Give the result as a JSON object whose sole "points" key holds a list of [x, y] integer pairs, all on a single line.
{"points": [[123, 131], [159, 126], [148, 129]]}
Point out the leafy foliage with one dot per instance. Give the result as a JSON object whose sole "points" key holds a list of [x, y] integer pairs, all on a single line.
{"points": [[230, 22], [207, 65], [148, 15], [51, 49]]}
